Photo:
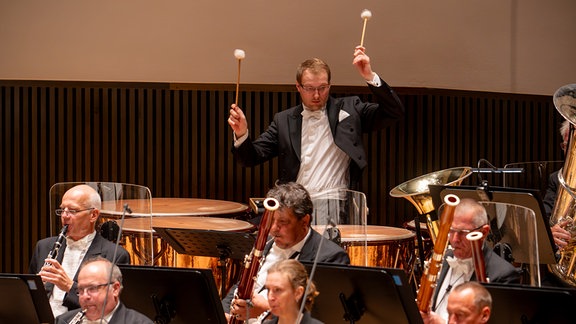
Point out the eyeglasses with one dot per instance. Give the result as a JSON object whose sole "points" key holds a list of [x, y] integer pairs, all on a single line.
{"points": [[72, 212], [91, 290], [320, 89], [454, 231]]}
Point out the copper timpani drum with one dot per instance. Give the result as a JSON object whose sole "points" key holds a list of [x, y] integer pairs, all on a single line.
{"points": [[387, 247], [179, 213], [426, 239]]}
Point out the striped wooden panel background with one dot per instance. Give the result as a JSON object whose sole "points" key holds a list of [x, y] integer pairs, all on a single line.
{"points": [[174, 139]]}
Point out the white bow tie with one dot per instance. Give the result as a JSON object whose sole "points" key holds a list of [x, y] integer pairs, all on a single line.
{"points": [[315, 114], [76, 245], [460, 265]]}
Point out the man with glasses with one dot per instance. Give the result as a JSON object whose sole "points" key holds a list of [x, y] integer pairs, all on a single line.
{"points": [[319, 142], [79, 209], [99, 287], [458, 266]]}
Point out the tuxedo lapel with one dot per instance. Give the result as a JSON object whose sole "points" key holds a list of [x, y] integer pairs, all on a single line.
{"points": [[332, 109], [295, 129]]}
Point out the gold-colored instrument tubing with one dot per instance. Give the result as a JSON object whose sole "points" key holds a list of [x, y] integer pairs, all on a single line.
{"points": [[565, 203], [418, 193], [431, 270], [475, 239]]}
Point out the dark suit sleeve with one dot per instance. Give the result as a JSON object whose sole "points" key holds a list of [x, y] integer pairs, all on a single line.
{"points": [[264, 148], [550, 197], [386, 111]]}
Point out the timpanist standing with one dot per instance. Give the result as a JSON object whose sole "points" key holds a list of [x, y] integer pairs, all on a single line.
{"points": [[319, 142], [79, 211]]}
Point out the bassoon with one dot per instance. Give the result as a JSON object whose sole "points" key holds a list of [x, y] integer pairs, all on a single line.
{"points": [[252, 261], [431, 270], [477, 255]]}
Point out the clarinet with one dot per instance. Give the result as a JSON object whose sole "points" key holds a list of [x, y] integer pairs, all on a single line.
{"points": [[252, 261], [54, 252], [77, 319]]}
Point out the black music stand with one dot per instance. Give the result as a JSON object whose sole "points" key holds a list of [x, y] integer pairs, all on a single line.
{"points": [[224, 245], [24, 300], [172, 295], [526, 304], [363, 295]]}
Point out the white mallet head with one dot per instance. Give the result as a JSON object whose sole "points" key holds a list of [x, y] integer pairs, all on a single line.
{"points": [[366, 14], [239, 54]]}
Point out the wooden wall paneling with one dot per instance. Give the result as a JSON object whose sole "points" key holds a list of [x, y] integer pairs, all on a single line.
{"points": [[176, 141]]}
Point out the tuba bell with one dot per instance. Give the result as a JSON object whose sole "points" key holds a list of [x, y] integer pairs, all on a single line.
{"points": [[417, 192], [565, 203]]}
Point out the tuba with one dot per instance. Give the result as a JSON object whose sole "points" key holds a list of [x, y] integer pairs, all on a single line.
{"points": [[565, 203], [417, 192]]}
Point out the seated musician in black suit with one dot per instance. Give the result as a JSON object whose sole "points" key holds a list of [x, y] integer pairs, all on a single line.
{"points": [[560, 234], [79, 209], [99, 287], [293, 238], [458, 266]]}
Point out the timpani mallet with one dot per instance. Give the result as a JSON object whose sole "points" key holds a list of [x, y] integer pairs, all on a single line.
{"points": [[240, 55], [365, 15]]}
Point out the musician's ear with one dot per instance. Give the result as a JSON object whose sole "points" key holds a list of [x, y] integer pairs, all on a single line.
{"points": [[299, 293], [485, 314], [307, 219]]}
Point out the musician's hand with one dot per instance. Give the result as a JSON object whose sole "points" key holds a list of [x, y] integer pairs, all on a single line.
{"points": [[561, 236], [54, 273], [362, 63], [237, 121], [260, 304], [432, 318], [240, 309]]}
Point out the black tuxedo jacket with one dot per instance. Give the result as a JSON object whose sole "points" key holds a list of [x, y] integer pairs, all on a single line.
{"points": [[551, 192], [123, 315], [99, 247], [498, 270], [283, 136], [330, 253]]}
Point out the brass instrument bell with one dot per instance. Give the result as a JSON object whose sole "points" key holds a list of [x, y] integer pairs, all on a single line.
{"points": [[418, 193]]}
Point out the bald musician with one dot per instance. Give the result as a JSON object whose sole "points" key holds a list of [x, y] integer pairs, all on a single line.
{"points": [[319, 142], [293, 238], [99, 288], [458, 266], [79, 209], [469, 303]]}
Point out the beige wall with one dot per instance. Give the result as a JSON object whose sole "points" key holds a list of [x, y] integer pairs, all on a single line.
{"points": [[522, 46]]}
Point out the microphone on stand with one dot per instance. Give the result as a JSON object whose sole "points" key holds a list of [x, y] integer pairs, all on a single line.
{"points": [[125, 210]]}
